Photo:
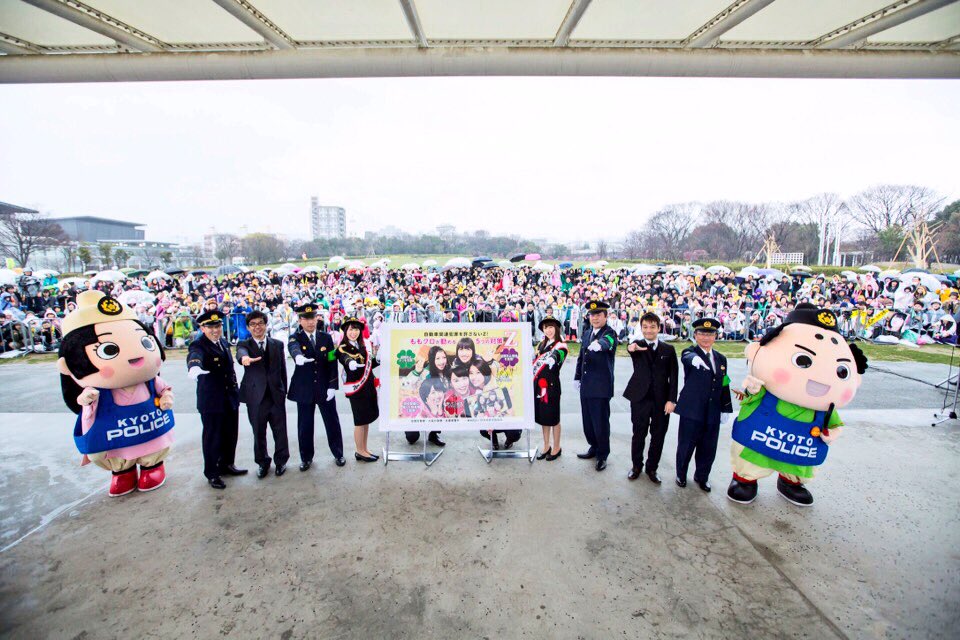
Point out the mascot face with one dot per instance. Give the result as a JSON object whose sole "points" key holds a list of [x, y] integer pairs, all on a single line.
{"points": [[122, 353], [808, 366]]}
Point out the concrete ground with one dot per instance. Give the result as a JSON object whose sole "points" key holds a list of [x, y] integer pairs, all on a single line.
{"points": [[464, 549]]}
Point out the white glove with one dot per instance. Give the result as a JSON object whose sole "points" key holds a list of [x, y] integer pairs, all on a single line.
{"points": [[300, 360], [594, 346], [725, 418], [752, 384], [195, 372], [698, 363], [87, 396], [330, 394], [550, 362], [352, 365], [576, 383]]}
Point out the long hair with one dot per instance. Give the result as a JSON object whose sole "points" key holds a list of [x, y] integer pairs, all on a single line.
{"points": [[73, 351], [435, 372]]}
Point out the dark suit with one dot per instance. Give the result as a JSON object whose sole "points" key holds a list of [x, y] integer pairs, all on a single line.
{"points": [[703, 398], [308, 388], [652, 385], [218, 402], [264, 391], [595, 373]]}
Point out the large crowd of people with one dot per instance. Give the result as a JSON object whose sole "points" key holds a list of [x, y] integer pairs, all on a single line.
{"points": [[916, 308]]}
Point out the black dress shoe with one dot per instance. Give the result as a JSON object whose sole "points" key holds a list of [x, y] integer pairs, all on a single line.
{"points": [[262, 472], [554, 456], [601, 464], [543, 454], [280, 470], [589, 454], [705, 485], [341, 461], [370, 458], [233, 471], [654, 478], [508, 444], [434, 439], [794, 493], [681, 482], [496, 443], [633, 474], [742, 492], [305, 465], [216, 482]]}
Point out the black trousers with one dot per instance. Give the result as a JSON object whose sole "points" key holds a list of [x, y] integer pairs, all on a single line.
{"points": [[274, 414], [700, 438], [331, 423], [219, 440], [648, 415], [413, 436], [595, 413], [512, 435]]}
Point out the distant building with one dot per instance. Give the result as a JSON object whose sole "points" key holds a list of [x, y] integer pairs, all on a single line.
{"points": [[446, 230], [94, 229], [327, 222], [390, 231]]}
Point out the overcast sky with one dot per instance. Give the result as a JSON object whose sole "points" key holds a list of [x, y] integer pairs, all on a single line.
{"points": [[563, 158]]}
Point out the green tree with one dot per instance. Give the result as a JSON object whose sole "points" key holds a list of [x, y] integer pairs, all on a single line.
{"points": [[84, 256], [122, 257], [106, 251], [889, 240], [165, 258]]}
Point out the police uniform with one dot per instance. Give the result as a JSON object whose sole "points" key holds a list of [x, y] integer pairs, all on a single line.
{"points": [[218, 400], [309, 386], [705, 395], [595, 374]]}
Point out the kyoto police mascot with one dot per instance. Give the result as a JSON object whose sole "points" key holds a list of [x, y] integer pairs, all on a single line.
{"points": [[109, 365], [799, 374]]}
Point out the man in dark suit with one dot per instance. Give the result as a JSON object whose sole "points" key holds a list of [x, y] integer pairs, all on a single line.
{"points": [[264, 391], [705, 395], [210, 363], [314, 384], [652, 392], [594, 379]]}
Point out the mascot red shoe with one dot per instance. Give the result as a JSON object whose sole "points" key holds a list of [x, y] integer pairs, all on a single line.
{"points": [[800, 373], [108, 365]]}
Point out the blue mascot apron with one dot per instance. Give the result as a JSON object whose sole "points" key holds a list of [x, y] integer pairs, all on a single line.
{"points": [[116, 427], [780, 438]]}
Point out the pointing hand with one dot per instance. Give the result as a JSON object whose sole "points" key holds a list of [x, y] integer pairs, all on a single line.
{"points": [[195, 372]]}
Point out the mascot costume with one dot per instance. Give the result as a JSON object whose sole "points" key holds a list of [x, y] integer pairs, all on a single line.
{"points": [[108, 365], [799, 374]]}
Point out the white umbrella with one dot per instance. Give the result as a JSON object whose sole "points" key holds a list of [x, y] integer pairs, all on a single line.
{"points": [[889, 273], [336, 259], [543, 266], [43, 273], [926, 279], [410, 266], [674, 267], [70, 281], [109, 276], [158, 275], [719, 268], [133, 298], [849, 275], [430, 263], [602, 263], [871, 267], [644, 269], [311, 269], [7, 276], [288, 265], [457, 262]]}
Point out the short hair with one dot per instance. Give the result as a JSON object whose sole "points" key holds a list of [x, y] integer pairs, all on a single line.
{"points": [[429, 385], [651, 317], [256, 315]]}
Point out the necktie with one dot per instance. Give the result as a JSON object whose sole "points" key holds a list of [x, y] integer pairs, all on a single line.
{"points": [[313, 341], [263, 349]]}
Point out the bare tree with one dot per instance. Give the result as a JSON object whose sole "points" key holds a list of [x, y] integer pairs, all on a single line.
{"points": [[669, 228], [225, 247], [831, 217], [887, 205], [602, 248], [22, 234], [747, 223], [633, 245]]}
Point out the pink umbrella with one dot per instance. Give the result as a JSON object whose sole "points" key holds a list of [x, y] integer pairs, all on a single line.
{"points": [[532, 256]]}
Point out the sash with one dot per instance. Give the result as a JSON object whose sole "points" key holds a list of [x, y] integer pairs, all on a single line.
{"points": [[540, 361], [350, 388]]}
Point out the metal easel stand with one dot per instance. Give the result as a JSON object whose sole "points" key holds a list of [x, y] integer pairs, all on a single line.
{"points": [[427, 457], [491, 453], [952, 378], [945, 414]]}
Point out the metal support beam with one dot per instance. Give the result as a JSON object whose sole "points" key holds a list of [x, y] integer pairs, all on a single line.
{"points": [[251, 16], [858, 31], [99, 22], [708, 34], [14, 46], [570, 22], [413, 21], [396, 62]]}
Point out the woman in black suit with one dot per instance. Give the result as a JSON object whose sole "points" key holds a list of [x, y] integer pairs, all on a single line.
{"points": [[551, 352], [360, 385]]}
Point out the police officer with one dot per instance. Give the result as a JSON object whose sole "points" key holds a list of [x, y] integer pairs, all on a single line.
{"points": [[594, 379], [210, 363], [705, 395], [314, 383]]}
